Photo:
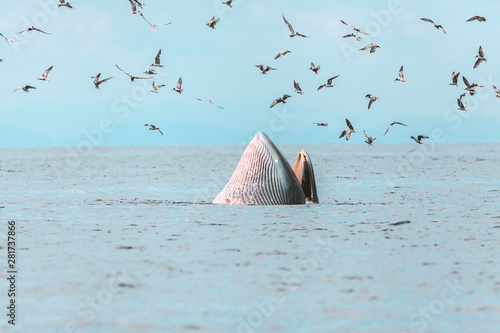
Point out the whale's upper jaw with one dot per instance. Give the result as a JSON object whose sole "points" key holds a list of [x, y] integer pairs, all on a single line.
{"points": [[262, 177], [304, 172]]}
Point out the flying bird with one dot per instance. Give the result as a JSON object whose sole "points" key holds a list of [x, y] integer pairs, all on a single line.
{"points": [[132, 78], [372, 99], [178, 87], [265, 70], [454, 79], [209, 102], [328, 83], [150, 71], [155, 88], [134, 8], [63, 3], [154, 26], [461, 105], [98, 81], [461, 96], [282, 53], [292, 32], [26, 88], [298, 90], [470, 87], [372, 47], [478, 18], [321, 124], [496, 91], [353, 35], [347, 132], [32, 28], [401, 76], [157, 60], [212, 22], [44, 75], [154, 128], [369, 139], [419, 138], [8, 40], [355, 29], [437, 26], [394, 123], [315, 69], [480, 57], [280, 100], [228, 2]]}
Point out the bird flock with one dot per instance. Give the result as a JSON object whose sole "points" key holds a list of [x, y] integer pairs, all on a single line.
{"points": [[134, 4], [372, 47]]}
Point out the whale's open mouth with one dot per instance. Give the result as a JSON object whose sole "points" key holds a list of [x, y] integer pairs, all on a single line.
{"points": [[264, 177]]}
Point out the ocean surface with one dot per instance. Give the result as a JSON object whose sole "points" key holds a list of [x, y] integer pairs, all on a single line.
{"points": [[406, 238]]}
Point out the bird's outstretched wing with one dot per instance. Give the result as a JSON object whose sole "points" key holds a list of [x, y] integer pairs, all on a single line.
{"points": [[349, 124], [122, 69], [288, 24]]}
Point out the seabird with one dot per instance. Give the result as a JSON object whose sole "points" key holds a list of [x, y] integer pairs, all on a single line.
{"points": [[264, 70], [470, 87], [132, 78], [478, 18], [298, 90], [63, 3], [292, 32], [280, 100], [321, 124], [155, 88], [8, 40], [347, 132], [355, 29], [353, 35], [462, 95], [394, 123], [461, 106], [328, 83], [44, 75], [496, 91], [480, 57], [372, 98], [26, 88], [419, 138], [157, 60], [212, 22], [178, 88], [32, 28], [228, 2], [369, 139], [454, 79], [209, 102], [282, 53], [153, 128], [150, 71], [134, 8], [315, 69], [97, 81], [437, 26], [372, 47], [154, 26], [401, 76]]}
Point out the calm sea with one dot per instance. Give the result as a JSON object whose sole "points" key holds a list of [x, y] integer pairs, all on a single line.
{"points": [[124, 239]]}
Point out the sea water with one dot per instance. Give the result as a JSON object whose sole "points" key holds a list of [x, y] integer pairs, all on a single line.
{"points": [[125, 239]]}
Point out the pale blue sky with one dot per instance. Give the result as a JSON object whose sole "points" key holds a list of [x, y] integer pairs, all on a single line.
{"points": [[219, 65]]}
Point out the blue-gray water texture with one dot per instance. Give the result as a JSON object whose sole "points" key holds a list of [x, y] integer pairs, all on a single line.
{"points": [[125, 239]]}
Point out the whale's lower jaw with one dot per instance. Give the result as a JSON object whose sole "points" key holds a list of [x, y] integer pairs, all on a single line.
{"points": [[264, 177]]}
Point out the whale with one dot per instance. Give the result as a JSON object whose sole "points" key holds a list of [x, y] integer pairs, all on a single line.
{"points": [[264, 177]]}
